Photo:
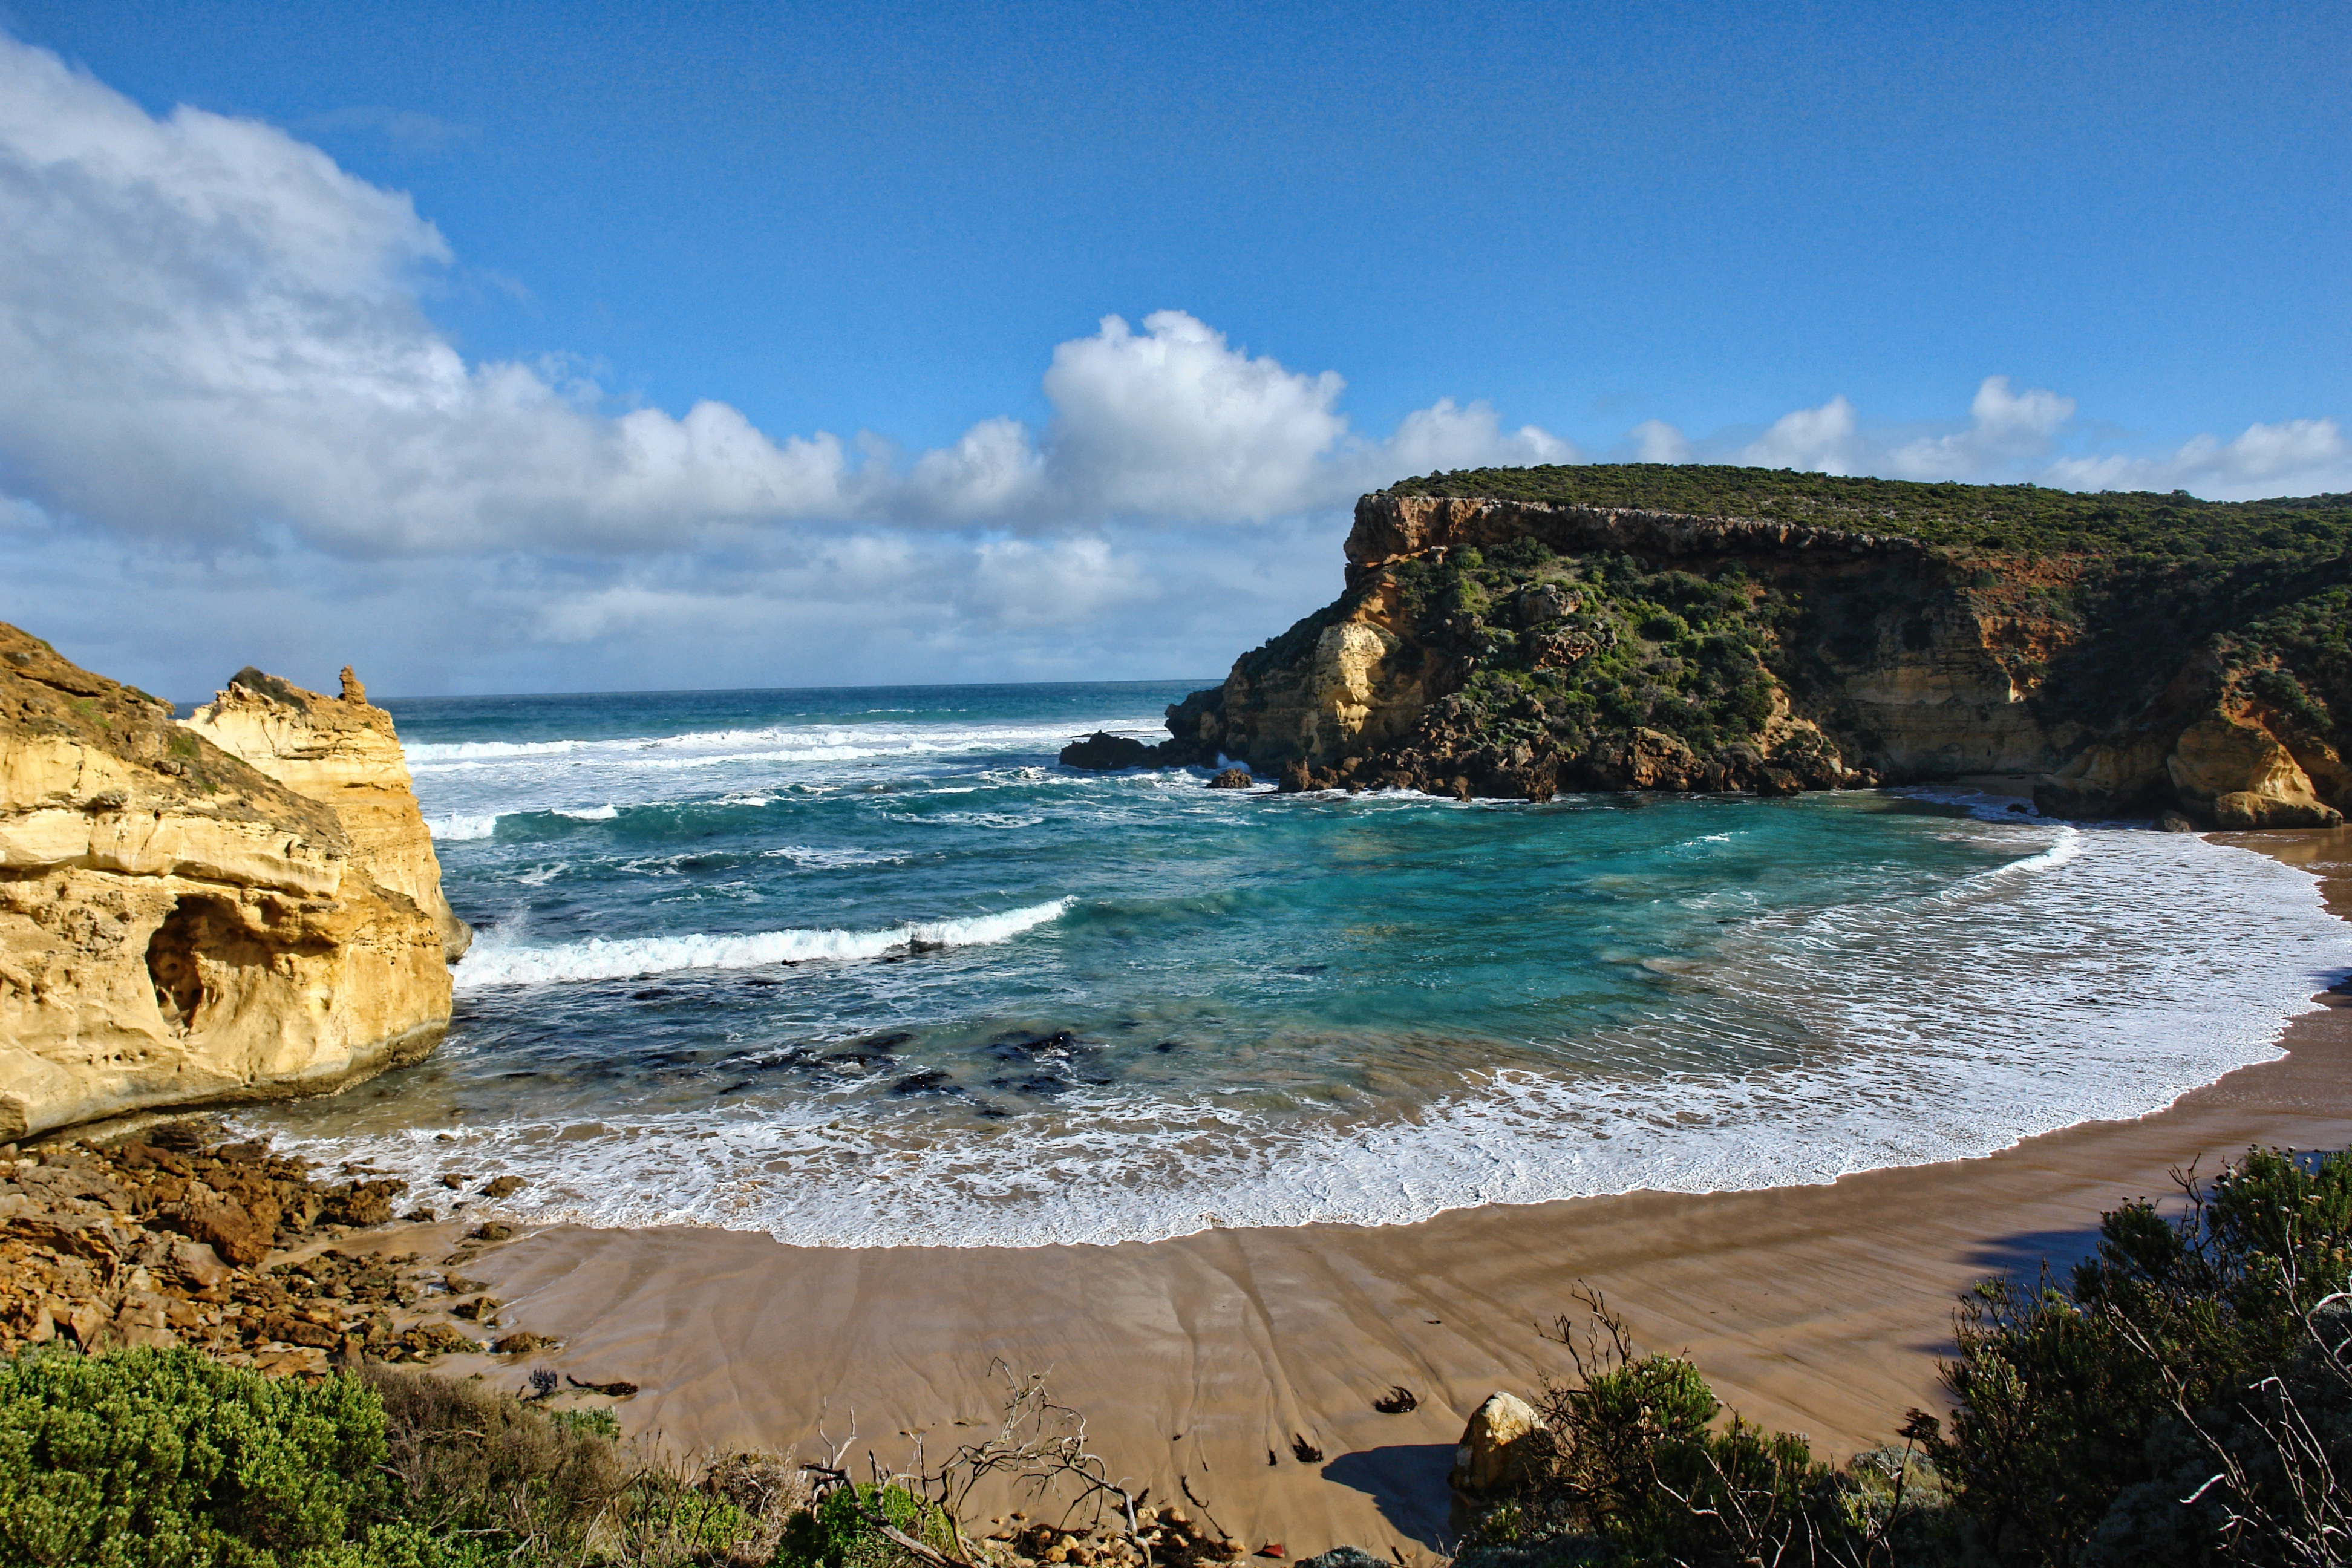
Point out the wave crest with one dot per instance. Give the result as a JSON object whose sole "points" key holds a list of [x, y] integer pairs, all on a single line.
{"points": [[491, 964]]}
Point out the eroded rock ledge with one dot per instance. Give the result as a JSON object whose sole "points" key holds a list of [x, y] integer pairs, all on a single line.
{"points": [[177, 927], [1512, 648]]}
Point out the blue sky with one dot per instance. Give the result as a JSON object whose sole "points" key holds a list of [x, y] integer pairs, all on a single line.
{"points": [[390, 347]]}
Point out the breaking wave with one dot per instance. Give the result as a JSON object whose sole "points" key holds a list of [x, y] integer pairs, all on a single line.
{"points": [[491, 963]]}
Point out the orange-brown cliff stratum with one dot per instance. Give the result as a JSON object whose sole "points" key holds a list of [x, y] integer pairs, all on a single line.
{"points": [[181, 925], [1648, 627]]}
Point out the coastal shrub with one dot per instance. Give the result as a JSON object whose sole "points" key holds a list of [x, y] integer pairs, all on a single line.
{"points": [[1633, 1469], [839, 1531], [146, 1459], [2184, 1399], [169, 1458], [484, 1465], [2009, 518]]}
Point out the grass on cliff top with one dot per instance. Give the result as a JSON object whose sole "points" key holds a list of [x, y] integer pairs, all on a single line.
{"points": [[2024, 518]]}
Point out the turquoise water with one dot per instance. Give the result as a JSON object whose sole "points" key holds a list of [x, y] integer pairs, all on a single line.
{"points": [[862, 966]]}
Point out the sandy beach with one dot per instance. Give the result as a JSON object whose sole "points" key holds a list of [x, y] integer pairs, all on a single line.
{"points": [[1202, 1361]]}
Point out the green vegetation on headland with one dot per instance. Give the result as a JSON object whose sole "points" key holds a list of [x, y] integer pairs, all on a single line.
{"points": [[2184, 1399], [1650, 626], [2007, 519]]}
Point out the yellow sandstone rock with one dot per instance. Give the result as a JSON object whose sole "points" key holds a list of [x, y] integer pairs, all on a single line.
{"points": [[2241, 776], [1494, 1447], [177, 926], [342, 751]]}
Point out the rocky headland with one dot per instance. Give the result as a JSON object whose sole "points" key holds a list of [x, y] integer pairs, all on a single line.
{"points": [[244, 907], [1521, 631]]}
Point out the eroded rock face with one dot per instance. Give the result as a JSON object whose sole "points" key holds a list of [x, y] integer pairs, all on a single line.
{"points": [[2239, 775], [340, 751], [1518, 648], [1905, 670], [175, 927]]}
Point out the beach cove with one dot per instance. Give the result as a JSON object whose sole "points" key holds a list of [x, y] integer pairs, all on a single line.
{"points": [[1199, 1359]]}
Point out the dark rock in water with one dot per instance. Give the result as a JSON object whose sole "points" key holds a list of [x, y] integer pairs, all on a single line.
{"points": [[1103, 752], [2173, 822], [1027, 1047], [1233, 778], [1043, 1085], [1296, 779], [931, 1082]]}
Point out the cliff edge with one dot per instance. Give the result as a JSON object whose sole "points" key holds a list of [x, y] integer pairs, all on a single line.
{"points": [[340, 751], [177, 927], [1520, 631]]}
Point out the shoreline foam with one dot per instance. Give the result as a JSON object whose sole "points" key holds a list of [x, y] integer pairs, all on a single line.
{"points": [[1888, 1074], [1818, 1308]]}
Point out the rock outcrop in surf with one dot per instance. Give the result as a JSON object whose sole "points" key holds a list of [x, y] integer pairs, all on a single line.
{"points": [[1520, 631], [178, 926]]}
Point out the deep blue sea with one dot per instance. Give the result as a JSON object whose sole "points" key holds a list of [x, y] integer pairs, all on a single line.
{"points": [[868, 966]]}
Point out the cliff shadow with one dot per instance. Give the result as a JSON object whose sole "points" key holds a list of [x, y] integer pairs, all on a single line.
{"points": [[1406, 1481]]}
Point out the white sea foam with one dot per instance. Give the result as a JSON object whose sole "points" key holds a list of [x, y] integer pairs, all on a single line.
{"points": [[491, 963], [466, 781], [816, 860], [458, 825], [2102, 984], [590, 813]]}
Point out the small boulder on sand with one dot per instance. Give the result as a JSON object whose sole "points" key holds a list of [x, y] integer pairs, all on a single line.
{"points": [[1494, 1447]]}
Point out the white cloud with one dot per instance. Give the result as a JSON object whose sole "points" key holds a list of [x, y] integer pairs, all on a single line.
{"points": [[1445, 437], [1823, 439], [2013, 436], [2293, 456], [1174, 422], [218, 384], [1656, 441], [2002, 426], [211, 332]]}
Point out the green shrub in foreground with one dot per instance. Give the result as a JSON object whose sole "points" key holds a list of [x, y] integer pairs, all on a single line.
{"points": [[837, 1533], [172, 1459], [168, 1458]]}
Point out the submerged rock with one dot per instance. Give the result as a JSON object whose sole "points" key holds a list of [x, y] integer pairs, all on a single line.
{"points": [[178, 926]]}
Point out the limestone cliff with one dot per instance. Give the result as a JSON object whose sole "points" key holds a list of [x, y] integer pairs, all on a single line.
{"points": [[2133, 653], [176, 926], [342, 751]]}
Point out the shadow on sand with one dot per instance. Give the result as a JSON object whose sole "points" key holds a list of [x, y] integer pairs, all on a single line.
{"points": [[1406, 1481]]}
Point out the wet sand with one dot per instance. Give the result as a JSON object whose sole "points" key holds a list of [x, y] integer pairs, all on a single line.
{"points": [[1820, 1310]]}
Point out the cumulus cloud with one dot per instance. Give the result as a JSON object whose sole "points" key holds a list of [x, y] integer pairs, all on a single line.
{"points": [[2002, 426], [2298, 455], [1656, 441], [1825, 439], [2012, 435], [1176, 421], [220, 304], [217, 382]]}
